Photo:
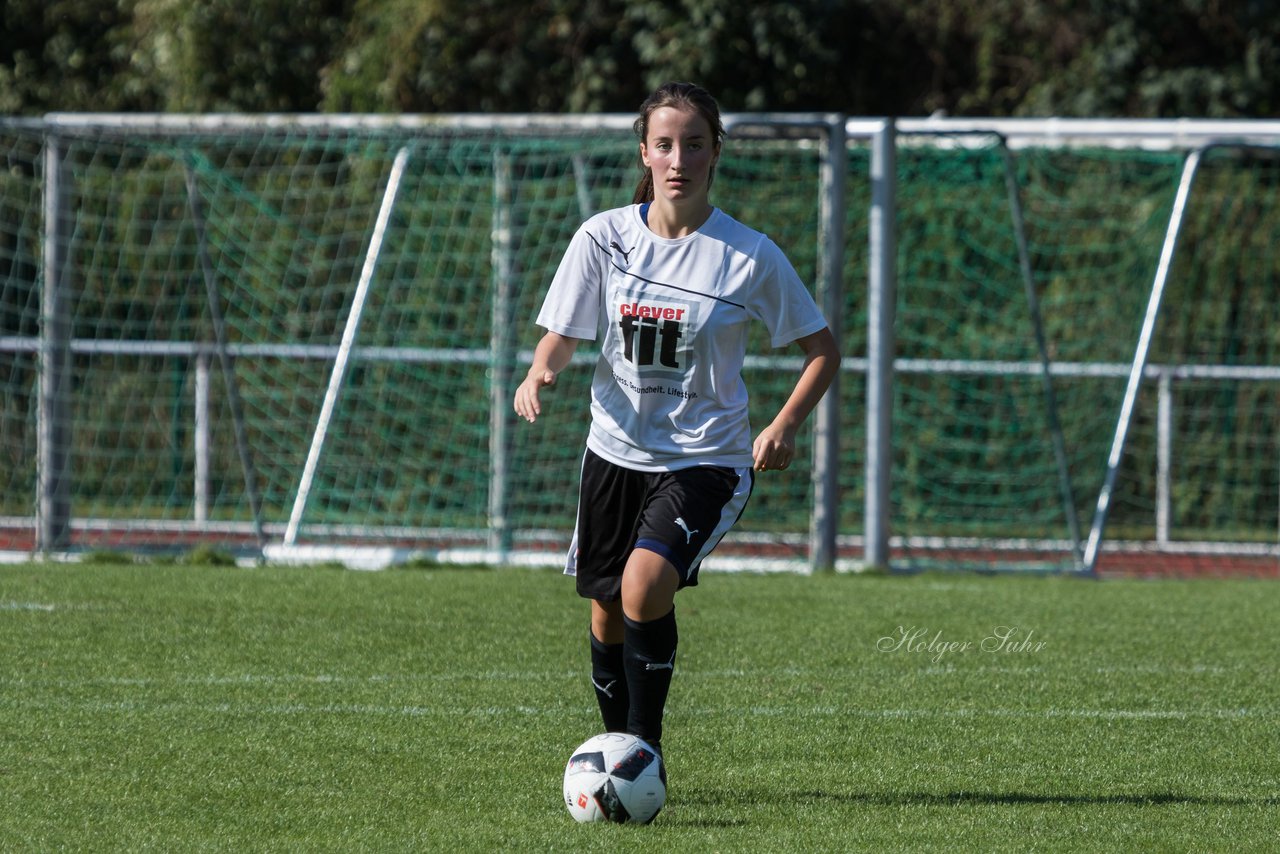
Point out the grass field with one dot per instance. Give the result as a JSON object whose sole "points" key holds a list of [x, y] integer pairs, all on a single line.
{"points": [[186, 707]]}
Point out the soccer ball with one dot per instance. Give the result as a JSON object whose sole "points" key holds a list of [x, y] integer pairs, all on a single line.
{"points": [[615, 777]]}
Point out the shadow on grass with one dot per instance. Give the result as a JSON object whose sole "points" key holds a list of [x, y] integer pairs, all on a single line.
{"points": [[1014, 798], [954, 799]]}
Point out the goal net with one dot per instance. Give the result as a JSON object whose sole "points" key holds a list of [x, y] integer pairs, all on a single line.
{"points": [[1015, 366], [230, 293], [252, 333]]}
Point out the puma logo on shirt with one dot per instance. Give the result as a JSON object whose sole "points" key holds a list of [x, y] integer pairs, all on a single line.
{"points": [[623, 252]]}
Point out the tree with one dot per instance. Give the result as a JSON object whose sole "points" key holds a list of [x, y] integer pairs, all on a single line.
{"points": [[167, 55], [455, 56], [68, 54], [1137, 58], [233, 56], [1164, 59]]}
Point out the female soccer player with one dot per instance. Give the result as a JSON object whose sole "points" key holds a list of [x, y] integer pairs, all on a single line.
{"points": [[668, 286]]}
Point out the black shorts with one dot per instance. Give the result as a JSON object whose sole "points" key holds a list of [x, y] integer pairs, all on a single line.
{"points": [[681, 515]]}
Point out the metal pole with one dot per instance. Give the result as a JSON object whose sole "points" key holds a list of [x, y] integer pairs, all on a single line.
{"points": [[202, 432], [582, 183], [826, 438], [501, 350], [53, 504], [225, 361], [881, 307], [1164, 456], [1139, 362], [348, 341], [1037, 325]]}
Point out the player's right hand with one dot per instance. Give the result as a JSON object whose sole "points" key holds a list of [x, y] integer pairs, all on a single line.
{"points": [[527, 405]]}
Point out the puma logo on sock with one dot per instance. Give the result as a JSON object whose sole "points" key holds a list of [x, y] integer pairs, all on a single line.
{"points": [[670, 665]]}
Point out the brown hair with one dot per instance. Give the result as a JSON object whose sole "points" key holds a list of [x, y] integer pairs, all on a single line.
{"points": [[682, 96]]}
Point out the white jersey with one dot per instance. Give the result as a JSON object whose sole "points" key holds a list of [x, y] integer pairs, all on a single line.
{"points": [[671, 315]]}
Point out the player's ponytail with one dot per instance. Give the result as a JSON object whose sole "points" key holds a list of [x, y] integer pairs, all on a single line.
{"points": [[682, 96], [644, 190]]}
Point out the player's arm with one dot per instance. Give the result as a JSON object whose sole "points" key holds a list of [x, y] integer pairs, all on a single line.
{"points": [[775, 447], [549, 358]]}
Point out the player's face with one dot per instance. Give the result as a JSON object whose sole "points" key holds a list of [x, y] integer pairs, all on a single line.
{"points": [[680, 149]]}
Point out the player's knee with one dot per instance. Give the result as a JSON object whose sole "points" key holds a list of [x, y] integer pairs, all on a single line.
{"points": [[649, 586]]}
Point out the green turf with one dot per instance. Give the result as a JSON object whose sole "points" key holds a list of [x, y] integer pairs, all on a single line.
{"points": [[199, 708]]}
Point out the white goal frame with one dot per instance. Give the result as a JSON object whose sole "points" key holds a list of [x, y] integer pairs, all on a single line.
{"points": [[53, 520]]}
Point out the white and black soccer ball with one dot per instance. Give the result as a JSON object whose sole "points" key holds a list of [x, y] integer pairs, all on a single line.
{"points": [[615, 777]]}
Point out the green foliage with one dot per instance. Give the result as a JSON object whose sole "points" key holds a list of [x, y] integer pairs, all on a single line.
{"points": [[69, 54], [477, 56], [231, 56], [972, 57], [167, 55], [775, 47], [1156, 58]]}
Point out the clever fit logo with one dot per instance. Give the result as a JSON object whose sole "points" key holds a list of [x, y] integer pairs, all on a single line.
{"points": [[651, 333]]}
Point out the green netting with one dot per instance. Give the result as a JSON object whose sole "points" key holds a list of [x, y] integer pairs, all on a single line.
{"points": [[1222, 308], [284, 217], [20, 229], [974, 455]]}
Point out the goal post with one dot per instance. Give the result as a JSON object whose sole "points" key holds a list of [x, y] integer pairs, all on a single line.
{"points": [[881, 344], [350, 330], [53, 513], [1141, 352], [988, 280]]}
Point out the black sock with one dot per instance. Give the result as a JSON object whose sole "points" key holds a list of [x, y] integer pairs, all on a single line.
{"points": [[610, 680], [649, 650]]}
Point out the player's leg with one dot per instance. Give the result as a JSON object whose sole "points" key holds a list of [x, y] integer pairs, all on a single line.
{"points": [[685, 515], [649, 585], [606, 621], [609, 501], [608, 669]]}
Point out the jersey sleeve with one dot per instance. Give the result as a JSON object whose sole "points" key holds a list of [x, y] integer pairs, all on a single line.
{"points": [[781, 300], [572, 304]]}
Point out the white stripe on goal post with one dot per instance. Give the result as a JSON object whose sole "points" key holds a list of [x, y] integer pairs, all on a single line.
{"points": [[344, 350]]}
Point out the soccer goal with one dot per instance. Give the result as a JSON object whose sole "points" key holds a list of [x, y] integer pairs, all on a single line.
{"points": [[1068, 295], [298, 336]]}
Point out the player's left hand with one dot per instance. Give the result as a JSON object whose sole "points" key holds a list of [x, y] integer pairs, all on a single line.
{"points": [[774, 448]]}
